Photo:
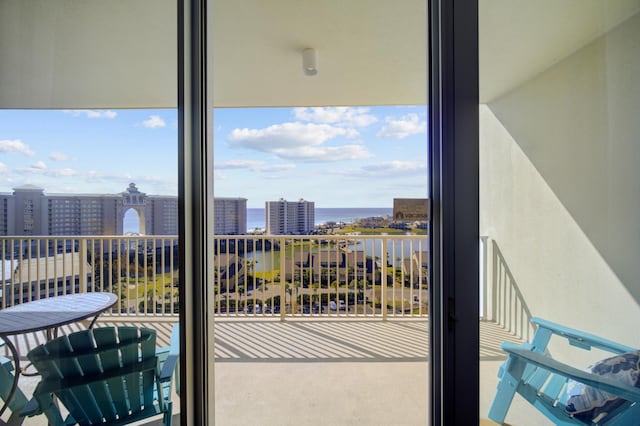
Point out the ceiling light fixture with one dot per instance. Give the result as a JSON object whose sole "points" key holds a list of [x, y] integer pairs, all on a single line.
{"points": [[310, 61]]}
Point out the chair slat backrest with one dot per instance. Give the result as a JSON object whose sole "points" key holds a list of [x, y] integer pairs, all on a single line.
{"points": [[99, 375]]}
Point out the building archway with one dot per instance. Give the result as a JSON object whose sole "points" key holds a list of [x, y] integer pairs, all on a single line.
{"points": [[132, 199], [133, 221]]}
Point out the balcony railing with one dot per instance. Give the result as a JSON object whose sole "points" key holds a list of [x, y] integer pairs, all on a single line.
{"points": [[276, 276], [503, 301]]}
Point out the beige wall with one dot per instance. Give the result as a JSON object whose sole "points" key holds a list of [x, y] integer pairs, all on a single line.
{"points": [[560, 186]]}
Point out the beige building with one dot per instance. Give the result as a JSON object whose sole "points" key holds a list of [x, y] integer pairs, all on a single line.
{"points": [[31, 211], [290, 217]]}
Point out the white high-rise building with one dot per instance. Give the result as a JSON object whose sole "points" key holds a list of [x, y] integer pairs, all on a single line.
{"points": [[290, 217], [229, 216], [31, 211]]}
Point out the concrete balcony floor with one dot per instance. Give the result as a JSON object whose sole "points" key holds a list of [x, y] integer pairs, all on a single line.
{"points": [[320, 371]]}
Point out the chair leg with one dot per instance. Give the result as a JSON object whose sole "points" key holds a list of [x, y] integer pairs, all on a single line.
{"points": [[506, 391], [502, 401]]}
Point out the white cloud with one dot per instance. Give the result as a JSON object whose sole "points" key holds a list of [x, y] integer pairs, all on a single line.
{"points": [[65, 172], [287, 135], [41, 168], [340, 116], [389, 168], [325, 154], [154, 121], [146, 183], [299, 141], [91, 113], [3, 168], [254, 165], [277, 167], [16, 145], [406, 126], [239, 164], [59, 156], [396, 167]]}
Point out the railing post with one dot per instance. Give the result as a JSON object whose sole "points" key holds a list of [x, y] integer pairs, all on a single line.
{"points": [[82, 270], [283, 304], [383, 279], [484, 268]]}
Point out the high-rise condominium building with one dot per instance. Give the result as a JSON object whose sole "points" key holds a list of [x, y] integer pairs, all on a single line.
{"points": [[29, 211], [290, 217], [229, 216]]}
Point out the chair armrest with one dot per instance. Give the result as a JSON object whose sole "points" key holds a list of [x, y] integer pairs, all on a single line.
{"points": [[581, 339], [6, 363], [174, 345], [166, 373], [175, 340], [605, 384], [44, 404]]}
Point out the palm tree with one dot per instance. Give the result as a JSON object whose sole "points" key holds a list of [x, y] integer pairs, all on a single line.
{"points": [[150, 301], [289, 288]]}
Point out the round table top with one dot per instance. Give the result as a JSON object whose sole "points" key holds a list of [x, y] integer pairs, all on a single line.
{"points": [[53, 312]]}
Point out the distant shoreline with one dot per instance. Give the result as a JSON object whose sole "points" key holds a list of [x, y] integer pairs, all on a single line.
{"points": [[255, 215]]}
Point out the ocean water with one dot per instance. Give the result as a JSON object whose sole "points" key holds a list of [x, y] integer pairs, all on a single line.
{"points": [[255, 216]]}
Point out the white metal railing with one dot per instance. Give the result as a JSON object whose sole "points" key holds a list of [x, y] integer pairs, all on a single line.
{"points": [[380, 276], [321, 276], [503, 302], [142, 271]]}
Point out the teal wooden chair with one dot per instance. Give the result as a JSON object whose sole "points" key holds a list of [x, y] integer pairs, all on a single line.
{"points": [[541, 380], [18, 400], [107, 375]]}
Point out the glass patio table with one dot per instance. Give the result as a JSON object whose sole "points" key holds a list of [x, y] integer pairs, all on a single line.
{"points": [[47, 315]]}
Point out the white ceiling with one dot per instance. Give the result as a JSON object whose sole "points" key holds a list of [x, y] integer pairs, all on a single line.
{"points": [[521, 38], [122, 53]]}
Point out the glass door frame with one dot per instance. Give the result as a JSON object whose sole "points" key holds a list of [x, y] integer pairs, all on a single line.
{"points": [[454, 368], [454, 263], [195, 197]]}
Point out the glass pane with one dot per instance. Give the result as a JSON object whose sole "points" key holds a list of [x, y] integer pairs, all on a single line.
{"points": [[319, 133], [559, 190], [88, 201]]}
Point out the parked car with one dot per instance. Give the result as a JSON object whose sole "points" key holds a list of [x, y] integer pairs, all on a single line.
{"points": [[339, 305]]}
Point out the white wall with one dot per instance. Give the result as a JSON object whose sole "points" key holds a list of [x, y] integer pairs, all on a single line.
{"points": [[560, 186]]}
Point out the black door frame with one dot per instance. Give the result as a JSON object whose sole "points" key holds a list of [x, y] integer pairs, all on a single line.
{"points": [[455, 254]]}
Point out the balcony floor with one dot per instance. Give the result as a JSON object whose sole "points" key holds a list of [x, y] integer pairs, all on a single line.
{"points": [[321, 371]]}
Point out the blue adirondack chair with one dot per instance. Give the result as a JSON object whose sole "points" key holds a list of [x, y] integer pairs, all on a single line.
{"points": [[107, 375], [532, 373], [173, 349]]}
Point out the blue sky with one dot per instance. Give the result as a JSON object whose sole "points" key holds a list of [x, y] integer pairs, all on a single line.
{"points": [[337, 157]]}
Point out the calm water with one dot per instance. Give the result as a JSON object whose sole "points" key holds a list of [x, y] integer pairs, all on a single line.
{"points": [[255, 217], [397, 249]]}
